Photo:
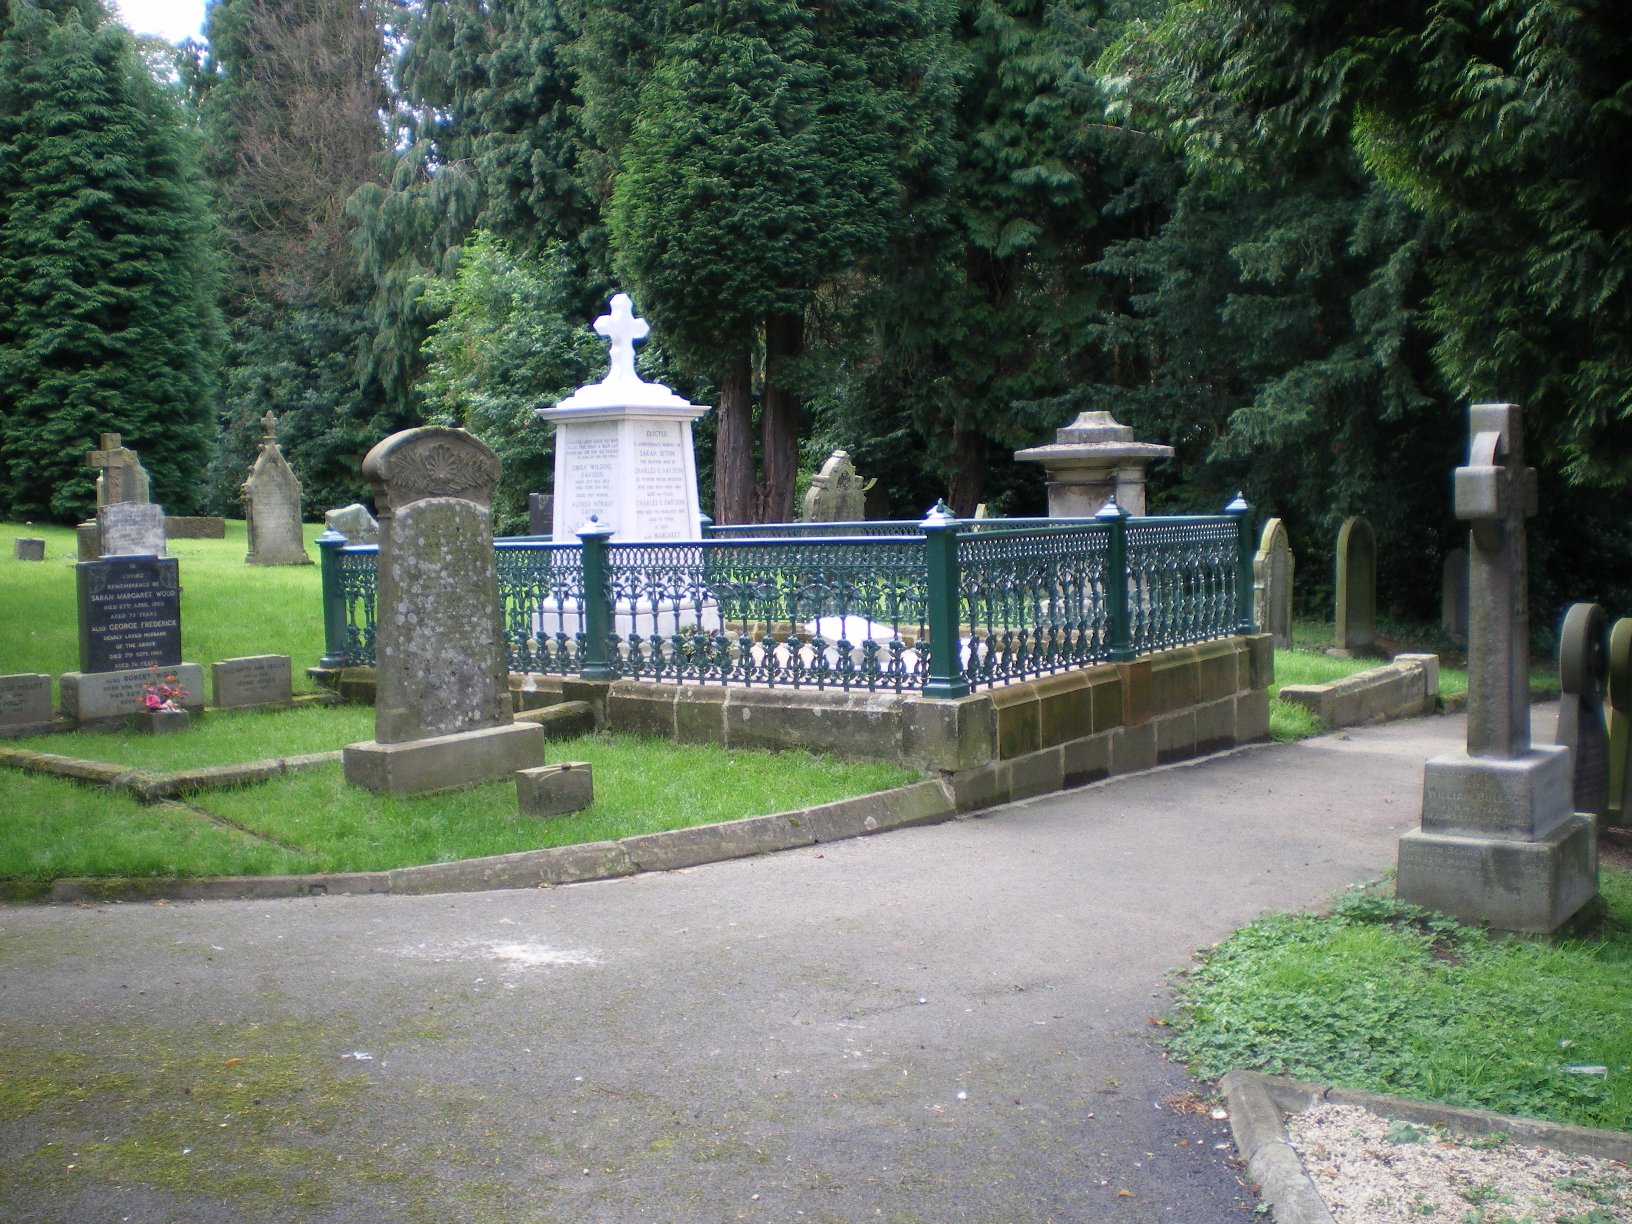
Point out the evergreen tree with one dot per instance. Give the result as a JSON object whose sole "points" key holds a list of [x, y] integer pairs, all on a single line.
{"points": [[107, 281]]}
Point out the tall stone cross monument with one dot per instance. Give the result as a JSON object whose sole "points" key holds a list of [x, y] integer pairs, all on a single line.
{"points": [[1500, 842], [120, 474], [623, 447]]}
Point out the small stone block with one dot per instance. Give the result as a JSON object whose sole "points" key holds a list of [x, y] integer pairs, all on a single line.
{"points": [[256, 680], [164, 722], [25, 704], [555, 790], [1511, 885], [27, 549]]}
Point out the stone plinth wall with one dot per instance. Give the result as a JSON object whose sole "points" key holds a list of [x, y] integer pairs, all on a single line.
{"points": [[1406, 688], [1009, 743]]}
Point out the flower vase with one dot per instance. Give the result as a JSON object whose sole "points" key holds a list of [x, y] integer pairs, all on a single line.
{"points": [[164, 722]]}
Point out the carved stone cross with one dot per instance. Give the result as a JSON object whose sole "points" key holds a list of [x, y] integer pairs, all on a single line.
{"points": [[1495, 493], [620, 326], [117, 462]]}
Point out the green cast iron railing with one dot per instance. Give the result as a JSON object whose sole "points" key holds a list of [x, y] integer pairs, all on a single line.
{"points": [[852, 610]]}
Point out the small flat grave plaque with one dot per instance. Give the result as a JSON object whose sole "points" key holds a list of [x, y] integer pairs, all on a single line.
{"points": [[257, 680], [129, 613], [25, 704]]}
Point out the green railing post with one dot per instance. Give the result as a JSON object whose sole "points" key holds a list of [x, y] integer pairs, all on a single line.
{"points": [[1119, 633], [1243, 564], [946, 678], [595, 662], [334, 600]]}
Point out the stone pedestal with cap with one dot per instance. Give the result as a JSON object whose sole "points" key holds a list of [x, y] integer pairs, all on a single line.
{"points": [[1500, 842], [1091, 461]]}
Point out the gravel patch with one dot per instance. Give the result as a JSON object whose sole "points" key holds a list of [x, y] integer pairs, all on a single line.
{"points": [[1370, 1169]]}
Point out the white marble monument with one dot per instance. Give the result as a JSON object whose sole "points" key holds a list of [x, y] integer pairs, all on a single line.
{"points": [[623, 448]]}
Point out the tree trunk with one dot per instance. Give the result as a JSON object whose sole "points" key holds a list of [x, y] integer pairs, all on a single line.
{"points": [[779, 418], [734, 444], [968, 480]]}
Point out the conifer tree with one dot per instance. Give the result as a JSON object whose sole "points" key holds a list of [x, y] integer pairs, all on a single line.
{"points": [[107, 281]]}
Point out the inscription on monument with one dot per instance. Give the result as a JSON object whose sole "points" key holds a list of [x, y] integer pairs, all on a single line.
{"points": [[661, 501], [129, 613], [590, 456]]}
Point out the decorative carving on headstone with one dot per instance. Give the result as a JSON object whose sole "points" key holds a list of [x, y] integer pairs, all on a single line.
{"points": [[1583, 670], [1453, 597], [1620, 721], [1356, 631], [836, 493], [1272, 583], [1091, 461], [1500, 841], [442, 711], [272, 505]]}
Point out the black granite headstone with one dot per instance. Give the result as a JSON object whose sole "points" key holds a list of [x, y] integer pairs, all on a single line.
{"points": [[540, 514], [129, 613]]}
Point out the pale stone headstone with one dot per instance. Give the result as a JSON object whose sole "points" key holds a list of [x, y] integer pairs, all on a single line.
{"points": [[1620, 721], [88, 540], [1500, 841], [93, 699], [131, 529], [555, 790], [1583, 670], [272, 505], [255, 680], [623, 451], [25, 704], [1453, 596], [354, 522], [1356, 588], [129, 613], [836, 493], [442, 714], [1272, 583], [27, 548], [120, 476], [1092, 460]]}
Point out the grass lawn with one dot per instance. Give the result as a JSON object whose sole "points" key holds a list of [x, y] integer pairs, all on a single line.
{"points": [[1383, 996], [313, 821], [228, 609]]}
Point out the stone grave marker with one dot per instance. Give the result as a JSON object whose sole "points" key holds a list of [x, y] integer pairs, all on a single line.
{"points": [[836, 493], [443, 714], [272, 505], [1500, 842], [623, 451], [120, 474], [25, 705], [1453, 597], [555, 790], [129, 613], [255, 680], [1620, 721], [1092, 460], [1356, 589], [1583, 671], [540, 514], [1272, 583], [354, 522], [26, 548], [131, 529]]}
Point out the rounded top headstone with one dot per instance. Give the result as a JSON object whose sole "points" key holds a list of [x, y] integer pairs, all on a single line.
{"points": [[431, 461]]}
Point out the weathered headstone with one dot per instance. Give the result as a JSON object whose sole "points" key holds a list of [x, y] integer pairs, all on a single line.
{"points": [[1453, 597], [131, 529], [540, 514], [255, 680], [88, 540], [1500, 841], [1620, 721], [623, 451], [442, 714], [272, 505], [1272, 583], [354, 522], [1583, 670], [27, 548], [1356, 589], [120, 475], [836, 493], [25, 705], [93, 699]]}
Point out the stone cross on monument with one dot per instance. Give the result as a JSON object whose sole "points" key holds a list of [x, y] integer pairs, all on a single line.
{"points": [[1495, 493], [118, 463], [1500, 842], [269, 427], [620, 326]]}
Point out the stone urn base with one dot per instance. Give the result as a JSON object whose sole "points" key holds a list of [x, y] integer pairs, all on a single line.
{"points": [[164, 722]]}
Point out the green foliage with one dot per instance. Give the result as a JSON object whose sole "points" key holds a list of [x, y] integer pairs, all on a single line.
{"points": [[1393, 998], [506, 344], [107, 279]]}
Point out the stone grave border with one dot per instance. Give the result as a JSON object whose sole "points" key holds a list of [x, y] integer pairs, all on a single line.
{"points": [[1259, 1105]]}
